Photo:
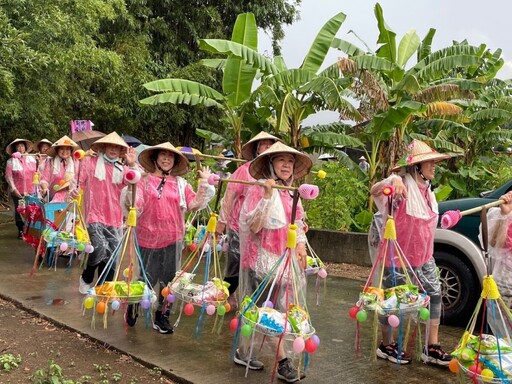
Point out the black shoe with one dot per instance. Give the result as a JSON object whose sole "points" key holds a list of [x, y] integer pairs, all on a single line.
{"points": [[161, 323], [391, 353], [131, 314], [253, 363], [20, 235], [434, 354], [287, 372]]}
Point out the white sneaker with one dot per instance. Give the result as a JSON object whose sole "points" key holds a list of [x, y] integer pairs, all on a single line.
{"points": [[83, 288]]}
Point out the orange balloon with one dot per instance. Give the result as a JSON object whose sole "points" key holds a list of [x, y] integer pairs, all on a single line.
{"points": [[165, 291], [454, 365], [100, 307], [228, 307]]}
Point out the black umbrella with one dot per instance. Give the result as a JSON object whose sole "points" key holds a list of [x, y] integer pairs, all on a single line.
{"points": [[131, 141]]}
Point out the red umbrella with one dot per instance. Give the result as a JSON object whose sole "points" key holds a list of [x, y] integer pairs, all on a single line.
{"points": [[86, 138]]}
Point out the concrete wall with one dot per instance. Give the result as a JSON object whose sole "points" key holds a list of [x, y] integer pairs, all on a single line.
{"points": [[340, 247]]}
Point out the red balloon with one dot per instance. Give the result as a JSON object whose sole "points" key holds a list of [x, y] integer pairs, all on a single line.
{"points": [[188, 309], [233, 324], [310, 345], [353, 312], [192, 247]]}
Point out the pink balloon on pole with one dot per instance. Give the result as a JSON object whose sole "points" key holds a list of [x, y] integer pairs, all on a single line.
{"points": [[16, 155], [308, 191], [132, 176]]}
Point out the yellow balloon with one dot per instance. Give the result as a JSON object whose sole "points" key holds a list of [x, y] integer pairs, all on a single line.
{"points": [[487, 375], [89, 302]]}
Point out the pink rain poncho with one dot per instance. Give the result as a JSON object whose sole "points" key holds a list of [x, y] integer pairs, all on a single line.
{"points": [[160, 220], [53, 172], [234, 198], [415, 221], [19, 174], [102, 193], [264, 228]]}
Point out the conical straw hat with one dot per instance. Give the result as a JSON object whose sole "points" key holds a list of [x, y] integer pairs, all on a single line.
{"points": [[180, 160], [260, 166], [10, 148], [112, 138], [418, 152], [249, 148], [64, 141], [43, 141]]}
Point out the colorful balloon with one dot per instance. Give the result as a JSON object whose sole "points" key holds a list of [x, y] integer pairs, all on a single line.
{"points": [[80, 247], [233, 324], [145, 303], [171, 298], [101, 307], [310, 345], [63, 247], [89, 302], [221, 310], [424, 314], [268, 304], [353, 312], [188, 309], [165, 291], [115, 305], [361, 316], [394, 321], [299, 345], [316, 339], [454, 365], [210, 309], [322, 273], [246, 330]]}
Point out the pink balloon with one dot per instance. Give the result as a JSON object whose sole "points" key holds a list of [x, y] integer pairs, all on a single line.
{"points": [[450, 218], [16, 155], [299, 345], [322, 273], [63, 247], [210, 309], [394, 321]]}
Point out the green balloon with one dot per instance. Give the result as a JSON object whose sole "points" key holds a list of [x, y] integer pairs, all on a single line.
{"points": [[80, 247], [221, 310], [424, 314], [246, 330], [361, 316]]}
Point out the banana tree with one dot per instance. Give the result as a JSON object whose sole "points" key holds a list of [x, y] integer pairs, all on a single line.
{"points": [[393, 97], [293, 94], [237, 82]]}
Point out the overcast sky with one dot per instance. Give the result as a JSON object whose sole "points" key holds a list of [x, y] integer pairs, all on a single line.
{"points": [[479, 22]]}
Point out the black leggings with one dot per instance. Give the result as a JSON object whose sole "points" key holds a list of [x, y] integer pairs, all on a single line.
{"points": [[17, 217], [88, 273]]}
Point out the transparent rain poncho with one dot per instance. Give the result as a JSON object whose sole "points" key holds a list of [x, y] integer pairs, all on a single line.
{"points": [[264, 228], [102, 182], [160, 204]]}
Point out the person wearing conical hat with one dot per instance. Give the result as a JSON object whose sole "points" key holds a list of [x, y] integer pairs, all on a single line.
{"points": [[232, 203], [19, 174], [102, 179], [265, 218], [60, 162], [363, 164], [163, 197], [41, 147], [415, 213]]}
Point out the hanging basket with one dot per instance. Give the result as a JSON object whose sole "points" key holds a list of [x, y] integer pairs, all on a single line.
{"points": [[214, 292]]}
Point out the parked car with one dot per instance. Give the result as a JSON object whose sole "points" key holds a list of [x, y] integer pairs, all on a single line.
{"points": [[460, 259]]}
